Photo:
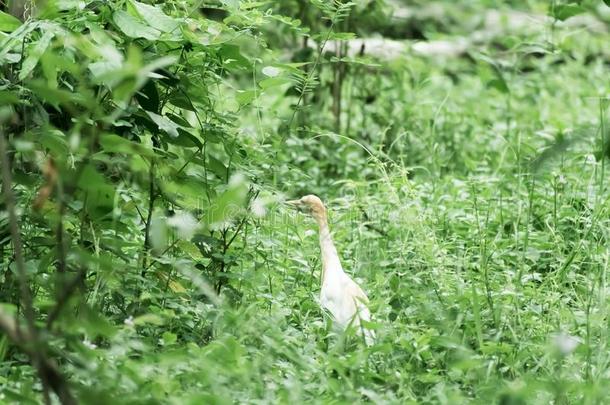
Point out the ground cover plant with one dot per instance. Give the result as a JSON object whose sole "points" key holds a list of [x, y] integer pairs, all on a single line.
{"points": [[146, 254]]}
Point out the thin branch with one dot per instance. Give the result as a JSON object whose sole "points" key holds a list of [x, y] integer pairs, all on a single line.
{"points": [[62, 299], [26, 295], [28, 341], [47, 368], [151, 205], [371, 226]]}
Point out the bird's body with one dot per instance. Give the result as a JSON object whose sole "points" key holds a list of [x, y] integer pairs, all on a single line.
{"points": [[339, 295], [345, 300]]}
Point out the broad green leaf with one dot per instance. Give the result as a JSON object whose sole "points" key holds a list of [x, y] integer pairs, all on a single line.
{"points": [[118, 144], [155, 17], [99, 194], [148, 96], [148, 319], [104, 70], [8, 97], [100, 201], [499, 84], [229, 203], [245, 97], [49, 65], [182, 101], [164, 124], [493, 74], [176, 287], [342, 36], [8, 23], [12, 43], [187, 191], [564, 11], [133, 27], [273, 81], [217, 167], [94, 323], [234, 4], [90, 179], [169, 338], [184, 138], [233, 58], [190, 249], [55, 141], [58, 97], [34, 55]]}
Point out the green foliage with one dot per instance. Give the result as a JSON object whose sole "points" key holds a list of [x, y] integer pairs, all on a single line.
{"points": [[150, 146]]}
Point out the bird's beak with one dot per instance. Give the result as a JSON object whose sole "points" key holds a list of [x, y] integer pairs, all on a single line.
{"points": [[296, 204]]}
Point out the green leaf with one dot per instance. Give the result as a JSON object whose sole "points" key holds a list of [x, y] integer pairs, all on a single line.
{"points": [[564, 11], [55, 141], [8, 23], [217, 167], [57, 97], [133, 27], [187, 191], [155, 17], [117, 144], [185, 139], [148, 319], [90, 179], [190, 249], [492, 75], [342, 36], [273, 81], [229, 203], [164, 124], [499, 84], [100, 194], [8, 97], [182, 101], [94, 323], [169, 338], [148, 97], [34, 55], [232, 57], [245, 97]]}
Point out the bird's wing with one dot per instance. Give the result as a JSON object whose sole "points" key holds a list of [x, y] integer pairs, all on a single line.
{"points": [[353, 290], [356, 300], [344, 299], [360, 310]]}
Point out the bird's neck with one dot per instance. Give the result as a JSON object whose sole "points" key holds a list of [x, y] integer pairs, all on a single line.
{"points": [[330, 257]]}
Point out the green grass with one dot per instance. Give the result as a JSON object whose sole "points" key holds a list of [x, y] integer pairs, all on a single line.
{"points": [[493, 253], [474, 215]]}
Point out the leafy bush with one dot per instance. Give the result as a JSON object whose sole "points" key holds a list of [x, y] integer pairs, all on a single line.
{"points": [[146, 147]]}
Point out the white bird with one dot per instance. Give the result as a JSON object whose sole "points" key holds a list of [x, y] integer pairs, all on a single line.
{"points": [[340, 295]]}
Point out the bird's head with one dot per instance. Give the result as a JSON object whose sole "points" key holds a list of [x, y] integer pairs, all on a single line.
{"points": [[309, 204]]}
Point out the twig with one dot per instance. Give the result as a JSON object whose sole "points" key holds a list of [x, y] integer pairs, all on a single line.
{"points": [[28, 341], [47, 368], [151, 205], [26, 295], [65, 296], [371, 226], [309, 77]]}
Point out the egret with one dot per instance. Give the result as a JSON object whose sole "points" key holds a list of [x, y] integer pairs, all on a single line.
{"points": [[339, 295]]}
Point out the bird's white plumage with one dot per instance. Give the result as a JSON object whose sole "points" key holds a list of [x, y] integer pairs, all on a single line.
{"points": [[339, 295], [346, 301]]}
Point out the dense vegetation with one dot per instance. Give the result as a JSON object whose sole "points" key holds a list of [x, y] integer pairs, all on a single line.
{"points": [[146, 150]]}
